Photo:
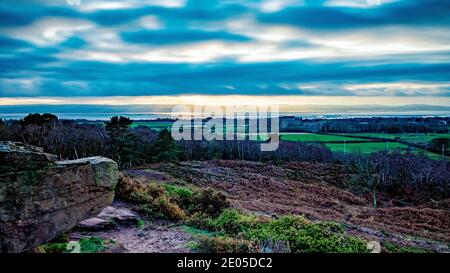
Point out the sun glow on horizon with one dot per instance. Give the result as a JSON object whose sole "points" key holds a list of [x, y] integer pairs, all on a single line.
{"points": [[223, 100]]}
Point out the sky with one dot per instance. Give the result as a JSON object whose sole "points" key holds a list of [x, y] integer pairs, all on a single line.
{"points": [[151, 51]]}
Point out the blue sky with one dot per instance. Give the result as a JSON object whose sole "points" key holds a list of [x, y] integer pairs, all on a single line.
{"points": [[321, 48]]}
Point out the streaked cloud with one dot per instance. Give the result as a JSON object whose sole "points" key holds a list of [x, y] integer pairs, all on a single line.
{"points": [[400, 48]]}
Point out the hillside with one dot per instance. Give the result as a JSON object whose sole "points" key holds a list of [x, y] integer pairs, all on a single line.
{"points": [[310, 189]]}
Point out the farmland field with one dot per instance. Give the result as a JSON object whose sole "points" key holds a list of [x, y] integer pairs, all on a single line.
{"points": [[367, 147], [336, 142], [311, 137], [415, 138], [157, 125]]}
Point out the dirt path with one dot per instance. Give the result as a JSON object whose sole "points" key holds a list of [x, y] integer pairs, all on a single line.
{"points": [[155, 238]]}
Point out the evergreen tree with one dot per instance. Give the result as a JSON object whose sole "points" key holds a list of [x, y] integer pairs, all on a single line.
{"points": [[126, 147], [165, 148]]}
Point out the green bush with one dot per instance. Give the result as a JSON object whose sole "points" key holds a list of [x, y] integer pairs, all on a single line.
{"points": [[93, 244], [55, 247], [304, 237], [293, 233], [394, 248], [233, 222], [176, 191], [87, 245], [222, 244]]}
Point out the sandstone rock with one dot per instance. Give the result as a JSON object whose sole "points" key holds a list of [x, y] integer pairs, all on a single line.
{"points": [[95, 224], [374, 247], [41, 198], [108, 217], [119, 215], [16, 156]]}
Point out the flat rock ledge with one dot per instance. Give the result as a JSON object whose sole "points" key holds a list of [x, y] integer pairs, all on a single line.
{"points": [[108, 218], [41, 198]]}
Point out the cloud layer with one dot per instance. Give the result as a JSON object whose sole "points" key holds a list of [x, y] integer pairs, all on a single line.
{"points": [[269, 47]]}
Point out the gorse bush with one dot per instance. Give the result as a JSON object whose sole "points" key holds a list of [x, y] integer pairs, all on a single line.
{"points": [[306, 237], [162, 207], [170, 201], [208, 201], [233, 222], [293, 233], [176, 191], [151, 198]]}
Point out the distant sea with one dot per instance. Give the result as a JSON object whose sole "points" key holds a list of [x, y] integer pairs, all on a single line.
{"points": [[141, 112]]}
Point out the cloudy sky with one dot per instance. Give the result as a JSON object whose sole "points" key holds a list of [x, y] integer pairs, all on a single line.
{"points": [[161, 49]]}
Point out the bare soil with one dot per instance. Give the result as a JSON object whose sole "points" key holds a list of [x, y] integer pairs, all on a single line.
{"points": [[156, 237]]}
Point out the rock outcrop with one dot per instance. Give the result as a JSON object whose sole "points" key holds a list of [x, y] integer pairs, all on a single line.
{"points": [[109, 217], [41, 197]]}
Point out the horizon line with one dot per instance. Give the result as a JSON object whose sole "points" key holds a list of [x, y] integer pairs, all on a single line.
{"points": [[224, 100]]}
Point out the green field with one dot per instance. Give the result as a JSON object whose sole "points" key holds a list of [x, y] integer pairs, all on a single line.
{"points": [[365, 148], [414, 138], [157, 125], [311, 137]]}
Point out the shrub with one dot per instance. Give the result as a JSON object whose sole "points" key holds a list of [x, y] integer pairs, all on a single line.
{"points": [[413, 179], [288, 233], [87, 245], [152, 199], [130, 190], [209, 202], [221, 244], [170, 201], [201, 221], [271, 246], [55, 247], [93, 244], [233, 222], [308, 237], [175, 191], [180, 195], [394, 248]]}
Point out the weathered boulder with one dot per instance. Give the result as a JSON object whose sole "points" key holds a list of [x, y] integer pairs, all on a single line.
{"points": [[41, 198], [16, 156], [109, 217]]}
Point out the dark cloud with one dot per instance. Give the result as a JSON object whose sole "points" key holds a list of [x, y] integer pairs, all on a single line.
{"points": [[409, 12], [174, 17], [53, 75], [10, 43], [22, 12], [103, 79], [178, 36]]}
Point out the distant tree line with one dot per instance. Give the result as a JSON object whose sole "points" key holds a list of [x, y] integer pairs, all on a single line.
{"points": [[367, 125], [412, 177], [71, 140]]}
